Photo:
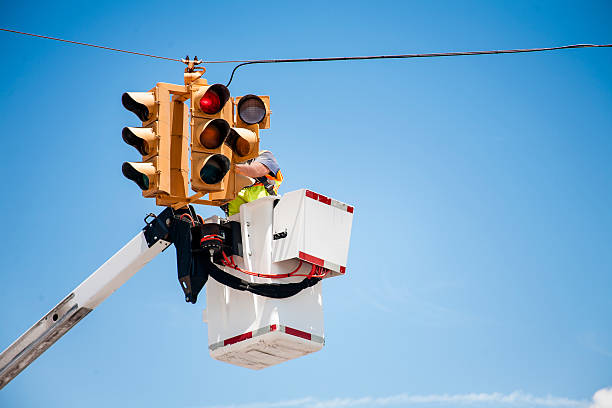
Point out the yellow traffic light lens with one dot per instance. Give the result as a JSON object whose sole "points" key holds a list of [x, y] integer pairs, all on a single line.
{"points": [[214, 133], [137, 177], [214, 169], [243, 147], [251, 109], [211, 137], [243, 142]]}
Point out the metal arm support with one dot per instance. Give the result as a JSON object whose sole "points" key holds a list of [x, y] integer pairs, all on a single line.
{"points": [[145, 246]]}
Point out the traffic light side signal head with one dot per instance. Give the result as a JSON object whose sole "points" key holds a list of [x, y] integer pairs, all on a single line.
{"points": [[152, 174]]}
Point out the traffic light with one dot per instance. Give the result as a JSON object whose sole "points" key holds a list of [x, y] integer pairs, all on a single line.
{"points": [[252, 113], [152, 174], [211, 118]]}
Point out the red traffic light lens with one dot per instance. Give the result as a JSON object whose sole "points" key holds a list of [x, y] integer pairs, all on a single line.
{"points": [[214, 99], [210, 103]]}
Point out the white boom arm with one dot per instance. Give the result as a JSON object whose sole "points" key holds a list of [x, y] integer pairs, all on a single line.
{"points": [[86, 297]]}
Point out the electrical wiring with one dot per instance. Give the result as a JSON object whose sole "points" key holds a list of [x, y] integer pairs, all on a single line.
{"points": [[188, 216], [315, 272], [403, 56], [212, 237]]}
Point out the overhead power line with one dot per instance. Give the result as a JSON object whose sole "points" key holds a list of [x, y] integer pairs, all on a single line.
{"points": [[91, 45], [242, 63]]}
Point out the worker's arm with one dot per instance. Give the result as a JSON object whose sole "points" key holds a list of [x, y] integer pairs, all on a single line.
{"points": [[253, 170]]}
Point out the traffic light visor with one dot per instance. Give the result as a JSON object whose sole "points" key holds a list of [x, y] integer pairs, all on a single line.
{"points": [[214, 99], [214, 169], [251, 109], [244, 143], [214, 133], [139, 173], [141, 103], [141, 138]]}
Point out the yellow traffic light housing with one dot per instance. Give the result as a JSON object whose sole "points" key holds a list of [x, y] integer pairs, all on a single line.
{"points": [[211, 116], [252, 113], [224, 132], [161, 141], [210, 156]]}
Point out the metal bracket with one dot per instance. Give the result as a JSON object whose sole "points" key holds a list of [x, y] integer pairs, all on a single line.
{"points": [[191, 63]]}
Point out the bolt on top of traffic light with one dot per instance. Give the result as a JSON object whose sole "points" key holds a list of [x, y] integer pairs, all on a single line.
{"points": [[224, 132]]}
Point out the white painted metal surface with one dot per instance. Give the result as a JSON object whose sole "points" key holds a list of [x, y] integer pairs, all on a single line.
{"points": [[86, 297], [317, 228], [254, 331], [239, 323]]}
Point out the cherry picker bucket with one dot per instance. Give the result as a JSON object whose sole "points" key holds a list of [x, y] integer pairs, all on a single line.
{"points": [[297, 239]]}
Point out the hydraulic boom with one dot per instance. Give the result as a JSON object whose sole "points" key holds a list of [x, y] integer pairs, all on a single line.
{"points": [[145, 246]]}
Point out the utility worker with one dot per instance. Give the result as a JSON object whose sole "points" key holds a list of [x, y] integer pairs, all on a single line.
{"points": [[268, 177]]}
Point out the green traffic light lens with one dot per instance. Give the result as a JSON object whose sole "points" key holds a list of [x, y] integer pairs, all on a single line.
{"points": [[214, 169], [144, 182], [141, 179]]}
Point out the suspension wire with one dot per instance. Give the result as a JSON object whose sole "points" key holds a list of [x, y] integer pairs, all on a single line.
{"points": [[398, 56], [242, 63], [91, 45]]}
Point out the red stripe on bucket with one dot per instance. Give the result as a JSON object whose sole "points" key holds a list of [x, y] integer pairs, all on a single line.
{"points": [[311, 194], [298, 333], [312, 259], [238, 338], [324, 200]]}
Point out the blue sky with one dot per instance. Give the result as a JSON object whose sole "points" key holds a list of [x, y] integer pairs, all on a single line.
{"points": [[480, 266]]}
